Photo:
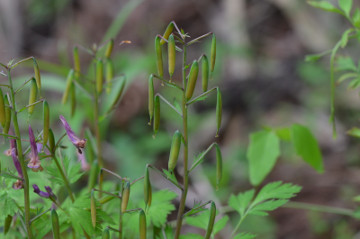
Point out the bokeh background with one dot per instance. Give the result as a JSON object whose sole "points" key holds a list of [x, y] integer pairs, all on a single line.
{"points": [[261, 71]]}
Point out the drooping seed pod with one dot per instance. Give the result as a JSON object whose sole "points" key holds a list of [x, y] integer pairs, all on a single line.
{"points": [[7, 116], [174, 151], [218, 111], [69, 80], [167, 32], [94, 171], [37, 74], [151, 98], [147, 188], [142, 224], [93, 208], [125, 197], [2, 109], [109, 74], [211, 220], [7, 224], [109, 48], [106, 233], [218, 165], [119, 87], [171, 55], [213, 53], [76, 59], [32, 96], [194, 70], [205, 73], [159, 57], [156, 122], [46, 117], [73, 98], [99, 76], [55, 224], [51, 141]]}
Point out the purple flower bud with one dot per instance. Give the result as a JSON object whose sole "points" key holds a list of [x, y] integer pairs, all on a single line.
{"points": [[34, 163], [77, 142], [40, 193], [84, 164], [18, 185]]}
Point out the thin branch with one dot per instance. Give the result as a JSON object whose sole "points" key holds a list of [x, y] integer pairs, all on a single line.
{"points": [[198, 38], [165, 176], [169, 104], [202, 157], [202, 95]]}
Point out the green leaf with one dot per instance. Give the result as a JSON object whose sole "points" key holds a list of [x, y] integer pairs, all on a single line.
{"points": [[201, 220], [355, 132], [356, 18], [161, 207], [355, 83], [220, 224], [241, 202], [307, 147], [345, 64], [170, 175], [245, 236], [346, 77], [263, 151], [324, 5], [345, 5], [191, 236], [284, 134], [345, 37], [262, 208], [7, 205]]}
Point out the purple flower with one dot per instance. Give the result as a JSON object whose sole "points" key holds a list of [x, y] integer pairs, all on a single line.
{"points": [[47, 194], [84, 164], [77, 142], [34, 163], [19, 183]]}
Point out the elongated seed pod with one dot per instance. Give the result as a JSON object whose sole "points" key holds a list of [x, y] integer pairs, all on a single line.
{"points": [[218, 165], [46, 117], [94, 171], [2, 109], [51, 141], [205, 73], [32, 96], [99, 76], [7, 116], [73, 98], [55, 224], [69, 80], [171, 55], [174, 151], [76, 59], [167, 32], [93, 208], [106, 199], [151, 98], [156, 123], [147, 188], [37, 74], [109, 74], [142, 224], [120, 89], [125, 197], [7, 224], [194, 70], [109, 48], [213, 53], [211, 220], [106, 233], [218, 111], [159, 57]]}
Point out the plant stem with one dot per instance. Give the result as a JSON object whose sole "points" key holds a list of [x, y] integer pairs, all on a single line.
{"points": [[319, 208], [21, 159], [66, 181]]}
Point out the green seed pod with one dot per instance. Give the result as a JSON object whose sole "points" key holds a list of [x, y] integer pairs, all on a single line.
{"points": [[142, 224], [218, 111], [218, 165], [159, 58], [120, 89], [94, 171], [171, 55], [69, 80], [167, 32], [106, 199], [109, 74], [106, 233], [32, 96], [99, 76], [151, 98], [125, 197], [156, 123], [55, 224], [51, 141], [93, 208], [109, 48], [37, 74], [2, 109], [73, 98], [211, 220], [76, 59], [205, 73], [46, 117], [7, 224], [147, 188], [7, 116], [174, 151], [194, 70], [213, 53]]}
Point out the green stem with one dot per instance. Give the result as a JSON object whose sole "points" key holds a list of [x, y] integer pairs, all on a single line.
{"points": [[238, 225], [66, 181], [21, 159], [319, 208]]}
